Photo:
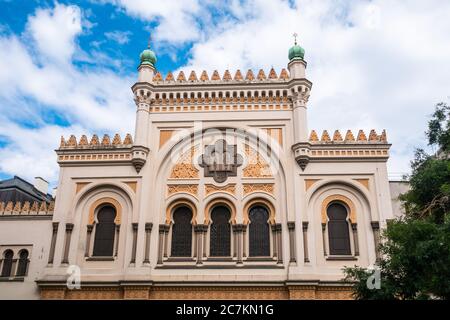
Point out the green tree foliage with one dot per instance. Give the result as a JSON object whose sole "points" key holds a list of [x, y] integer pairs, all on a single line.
{"points": [[415, 251]]}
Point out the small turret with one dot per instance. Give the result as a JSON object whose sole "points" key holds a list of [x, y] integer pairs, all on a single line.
{"points": [[147, 65], [297, 64]]}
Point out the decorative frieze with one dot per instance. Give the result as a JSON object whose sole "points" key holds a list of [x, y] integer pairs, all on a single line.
{"points": [[186, 188], [17, 209], [258, 187], [210, 188]]}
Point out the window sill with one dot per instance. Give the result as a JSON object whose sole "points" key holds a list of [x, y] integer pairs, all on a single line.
{"points": [[180, 259], [341, 258], [219, 259], [100, 259], [256, 259], [12, 279]]}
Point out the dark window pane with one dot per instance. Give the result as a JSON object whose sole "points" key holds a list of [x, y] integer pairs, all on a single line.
{"points": [[23, 264], [104, 232], [338, 233], [7, 263], [220, 233], [259, 237], [182, 232]]}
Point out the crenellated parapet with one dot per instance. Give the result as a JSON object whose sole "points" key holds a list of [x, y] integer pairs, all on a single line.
{"points": [[95, 143], [204, 78], [84, 150], [26, 209], [349, 138], [336, 147]]}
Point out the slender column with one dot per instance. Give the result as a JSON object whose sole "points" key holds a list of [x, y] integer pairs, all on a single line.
{"points": [[244, 245], [166, 236], [148, 230], [291, 230], [116, 240], [51, 254], [355, 238], [305, 241], [279, 244], [199, 230], [133, 250], [88, 239], [161, 243], [376, 237], [205, 233], [274, 240], [235, 241], [324, 226], [69, 228], [238, 229]]}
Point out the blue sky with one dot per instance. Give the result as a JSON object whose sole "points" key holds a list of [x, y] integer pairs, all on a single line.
{"points": [[66, 67]]}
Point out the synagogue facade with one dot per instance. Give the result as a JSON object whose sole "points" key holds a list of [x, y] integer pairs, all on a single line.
{"points": [[223, 192]]}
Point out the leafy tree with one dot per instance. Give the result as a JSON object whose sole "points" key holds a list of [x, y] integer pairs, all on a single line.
{"points": [[415, 251]]}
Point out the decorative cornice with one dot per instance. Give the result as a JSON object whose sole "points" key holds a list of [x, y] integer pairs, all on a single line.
{"points": [[27, 209]]}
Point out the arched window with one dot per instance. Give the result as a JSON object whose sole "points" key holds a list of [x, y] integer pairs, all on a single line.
{"points": [[220, 233], [181, 232], [259, 237], [104, 232], [23, 263], [338, 233], [7, 263]]}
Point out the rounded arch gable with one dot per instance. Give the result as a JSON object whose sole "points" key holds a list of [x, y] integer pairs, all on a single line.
{"points": [[259, 201], [220, 200], [100, 194], [180, 202], [105, 201], [338, 198], [341, 187], [277, 156]]}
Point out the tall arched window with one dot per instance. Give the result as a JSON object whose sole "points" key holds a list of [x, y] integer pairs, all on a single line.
{"points": [[181, 232], [23, 263], [259, 237], [104, 232], [338, 233], [220, 232], [7, 263]]}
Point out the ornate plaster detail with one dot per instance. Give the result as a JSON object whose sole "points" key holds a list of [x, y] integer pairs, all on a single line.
{"points": [[258, 187], [184, 168], [211, 188], [186, 188], [257, 167]]}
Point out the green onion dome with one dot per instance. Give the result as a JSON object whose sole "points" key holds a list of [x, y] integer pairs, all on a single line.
{"points": [[296, 52], [148, 57]]}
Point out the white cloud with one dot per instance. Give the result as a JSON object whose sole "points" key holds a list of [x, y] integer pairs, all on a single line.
{"points": [[176, 19], [35, 83], [374, 64], [54, 31], [121, 37]]}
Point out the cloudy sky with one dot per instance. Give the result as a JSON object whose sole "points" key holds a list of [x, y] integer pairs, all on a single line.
{"points": [[66, 67]]}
